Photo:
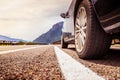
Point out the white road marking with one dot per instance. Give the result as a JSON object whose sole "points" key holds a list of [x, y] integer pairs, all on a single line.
{"points": [[72, 69], [10, 51]]}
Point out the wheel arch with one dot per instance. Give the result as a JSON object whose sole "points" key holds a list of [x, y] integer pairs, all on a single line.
{"points": [[77, 6]]}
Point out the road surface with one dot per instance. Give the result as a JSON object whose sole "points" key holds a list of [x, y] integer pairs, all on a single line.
{"points": [[49, 62]]}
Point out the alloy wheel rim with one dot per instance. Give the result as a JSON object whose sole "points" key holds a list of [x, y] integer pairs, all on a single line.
{"points": [[80, 29]]}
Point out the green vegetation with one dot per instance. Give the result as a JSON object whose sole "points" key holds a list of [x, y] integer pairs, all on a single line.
{"points": [[4, 43], [32, 43]]}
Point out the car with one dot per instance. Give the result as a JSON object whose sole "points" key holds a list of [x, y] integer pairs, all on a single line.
{"points": [[91, 26]]}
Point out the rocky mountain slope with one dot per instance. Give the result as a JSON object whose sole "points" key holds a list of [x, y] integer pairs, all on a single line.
{"points": [[54, 34]]}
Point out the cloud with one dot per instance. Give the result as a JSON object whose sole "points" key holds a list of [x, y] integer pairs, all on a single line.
{"points": [[27, 19]]}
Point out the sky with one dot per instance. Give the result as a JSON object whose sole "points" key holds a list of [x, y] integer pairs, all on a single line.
{"points": [[28, 19]]}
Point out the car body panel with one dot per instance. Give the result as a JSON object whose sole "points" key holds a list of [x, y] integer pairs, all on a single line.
{"points": [[68, 26], [107, 11]]}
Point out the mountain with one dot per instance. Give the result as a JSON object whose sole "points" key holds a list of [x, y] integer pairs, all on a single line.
{"points": [[54, 34], [10, 39]]}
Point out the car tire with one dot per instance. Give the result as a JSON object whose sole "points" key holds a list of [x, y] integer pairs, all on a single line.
{"points": [[63, 43], [90, 39]]}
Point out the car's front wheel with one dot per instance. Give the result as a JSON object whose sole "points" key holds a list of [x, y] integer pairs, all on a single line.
{"points": [[90, 39]]}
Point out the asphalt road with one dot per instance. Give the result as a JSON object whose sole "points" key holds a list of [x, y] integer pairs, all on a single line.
{"points": [[38, 63], [108, 66], [41, 63]]}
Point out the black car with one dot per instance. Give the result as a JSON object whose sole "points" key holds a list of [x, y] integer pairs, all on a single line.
{"points": [[91, 26]]}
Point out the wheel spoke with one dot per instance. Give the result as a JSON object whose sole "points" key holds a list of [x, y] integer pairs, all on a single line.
{"points": [[83, 28], [82, 39], [77, 26], [83, 33], [80, 42], [84, 21], [77, 31], [76, 37], [78, 22]]}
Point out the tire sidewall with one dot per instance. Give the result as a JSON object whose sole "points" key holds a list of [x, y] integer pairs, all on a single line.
{"points": [[85, 4]]}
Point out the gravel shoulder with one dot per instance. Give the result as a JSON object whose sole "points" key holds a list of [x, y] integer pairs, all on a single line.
{"points": [[34, 64], [108, 66]]}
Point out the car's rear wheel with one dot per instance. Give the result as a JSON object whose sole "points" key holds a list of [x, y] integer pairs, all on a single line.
{"points": [[90, 39], [63, 43]]}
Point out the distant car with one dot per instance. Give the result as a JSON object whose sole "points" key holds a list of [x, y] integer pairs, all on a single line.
{"points": [[90, 25]]}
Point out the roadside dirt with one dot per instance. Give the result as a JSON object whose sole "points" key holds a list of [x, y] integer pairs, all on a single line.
{"points": [[35, 64], [108, 66]]}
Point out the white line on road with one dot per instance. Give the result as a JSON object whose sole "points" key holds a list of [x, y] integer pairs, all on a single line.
{"points": [[10, 51], [72, 69]]}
